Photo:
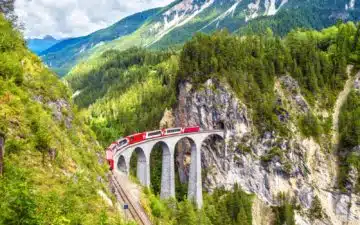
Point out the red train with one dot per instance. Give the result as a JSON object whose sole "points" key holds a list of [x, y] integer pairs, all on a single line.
{"points": [[139, 137]]}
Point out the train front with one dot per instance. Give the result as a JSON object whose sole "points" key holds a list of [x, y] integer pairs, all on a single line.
{"points": [[110, 155]]}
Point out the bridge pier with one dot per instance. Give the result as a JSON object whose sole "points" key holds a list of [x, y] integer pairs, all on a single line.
{"points": [[168, 171], [195, 183], [143, 166]]}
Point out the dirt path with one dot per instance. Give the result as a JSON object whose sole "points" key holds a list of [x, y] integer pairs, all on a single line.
{"points": [[339, 103]]}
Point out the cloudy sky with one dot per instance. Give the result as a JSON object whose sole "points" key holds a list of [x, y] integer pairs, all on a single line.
{"points": [[70, 18]]}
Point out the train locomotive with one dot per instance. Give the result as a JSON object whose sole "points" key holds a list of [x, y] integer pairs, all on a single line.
{"points": [[140, 137]]}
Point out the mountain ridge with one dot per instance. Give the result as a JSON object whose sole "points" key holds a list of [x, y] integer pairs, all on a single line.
{"points": [[66, 54], [38, 45], [176, 23]]}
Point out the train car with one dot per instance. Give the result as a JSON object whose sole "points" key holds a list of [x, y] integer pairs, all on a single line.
{"points": [[191, 129], [173, 131], [135, 138], [110, 154], [139, 137], [154, 134], [109, 158], [122, 143]]}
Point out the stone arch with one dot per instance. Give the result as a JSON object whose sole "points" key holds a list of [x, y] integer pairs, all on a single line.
{"points": [[141, 165], [167, 183], [213, 150], [121, 164], [185, 149]]}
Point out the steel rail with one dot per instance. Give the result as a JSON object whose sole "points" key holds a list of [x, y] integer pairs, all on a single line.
{"points": [[134, 213]]}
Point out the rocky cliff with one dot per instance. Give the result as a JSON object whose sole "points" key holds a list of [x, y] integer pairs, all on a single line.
{"points": [[268, 164]]}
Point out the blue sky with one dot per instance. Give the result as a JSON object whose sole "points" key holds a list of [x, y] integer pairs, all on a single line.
{"points": [[70, 18]]}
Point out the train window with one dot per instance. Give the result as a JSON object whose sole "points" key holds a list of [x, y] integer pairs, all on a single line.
{"points": [[154, 133], [169, 131], [123, 142]]}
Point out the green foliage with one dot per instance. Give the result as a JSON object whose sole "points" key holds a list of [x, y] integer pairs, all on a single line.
{"points": [[128, 93], [316, 211], [186, 213], [220, 207], [67, 53], [10, 42], [251, 64], [180, 188], [349, 127], [310, 126], [156, 168], [229, 207], [50, 170], [227, 58], [276, 151], [284, 214], [129, 67], [349, 122], [17, 201]]}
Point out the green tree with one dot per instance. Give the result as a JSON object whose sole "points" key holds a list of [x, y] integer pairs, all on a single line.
{"points": [[186, 214]]}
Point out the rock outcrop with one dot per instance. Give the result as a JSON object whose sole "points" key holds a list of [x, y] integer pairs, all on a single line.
{"points": [[266, 164]]}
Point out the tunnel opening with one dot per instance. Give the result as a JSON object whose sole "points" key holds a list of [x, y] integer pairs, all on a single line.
{"points": [[220, 125]]}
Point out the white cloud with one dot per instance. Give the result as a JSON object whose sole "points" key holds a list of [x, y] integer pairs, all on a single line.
{"points": [[72, 18]]}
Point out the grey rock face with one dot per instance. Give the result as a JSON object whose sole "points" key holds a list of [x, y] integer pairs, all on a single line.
{"points": [[357, 83], [342, 205], [60, 108], [292, 87], [299, 167]]}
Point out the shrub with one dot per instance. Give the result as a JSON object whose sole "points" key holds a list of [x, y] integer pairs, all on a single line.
{"points": [[310, 126], [284, 214], [316, 211]]}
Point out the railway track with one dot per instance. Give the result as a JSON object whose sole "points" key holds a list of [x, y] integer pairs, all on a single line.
{"points": [[136, 215]]}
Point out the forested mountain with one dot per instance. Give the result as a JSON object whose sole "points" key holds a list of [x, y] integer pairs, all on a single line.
{"points": [[279, 100], [37, 45], [176, 23], [287, 100], [62, 56], [52, 170]]}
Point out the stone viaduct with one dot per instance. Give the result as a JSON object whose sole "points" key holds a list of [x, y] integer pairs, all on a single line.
{"points": [[168, 144]]}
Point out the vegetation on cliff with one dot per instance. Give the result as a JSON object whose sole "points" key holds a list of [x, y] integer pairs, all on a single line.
{"points": [[53, 166], [251, 64], [220, 207], [126, 92], [350, 142]]}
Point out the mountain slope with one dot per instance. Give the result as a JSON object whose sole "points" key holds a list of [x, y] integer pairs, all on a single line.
{"points": [[305, 14], [65, 54], [54, 171], [178, 22], [38, 45], [273, 96]]}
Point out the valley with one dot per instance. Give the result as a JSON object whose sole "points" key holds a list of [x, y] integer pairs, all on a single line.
{"points": [[265, 96]]}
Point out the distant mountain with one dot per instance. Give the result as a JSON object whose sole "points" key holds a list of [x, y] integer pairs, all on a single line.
{"points": [[65, 54], [37, 45], [177, 23]]}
